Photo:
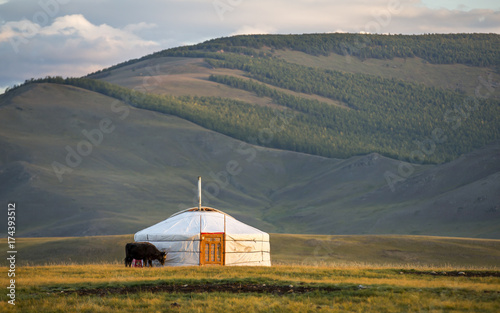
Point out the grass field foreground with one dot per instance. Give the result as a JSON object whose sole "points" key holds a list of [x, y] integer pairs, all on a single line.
{"points": [[310, 273], [352, 288]]}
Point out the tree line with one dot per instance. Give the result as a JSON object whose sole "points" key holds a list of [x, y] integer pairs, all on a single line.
{"points": [[388, 116], [469, 49]]}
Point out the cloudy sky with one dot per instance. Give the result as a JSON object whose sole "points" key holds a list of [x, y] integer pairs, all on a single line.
{"points": [[76, 37]]}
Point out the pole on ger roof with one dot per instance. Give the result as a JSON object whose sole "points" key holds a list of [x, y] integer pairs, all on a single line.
{"points": [[199, 193]]}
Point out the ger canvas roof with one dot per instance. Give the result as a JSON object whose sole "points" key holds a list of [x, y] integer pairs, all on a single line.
{"points": [[188, 224]]}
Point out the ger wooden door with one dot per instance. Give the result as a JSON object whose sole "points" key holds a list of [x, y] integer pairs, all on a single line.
{"points": [[212, 249]]}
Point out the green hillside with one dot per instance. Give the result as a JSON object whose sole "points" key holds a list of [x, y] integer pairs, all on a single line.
{"points": [[377, 109], [145, 169], [320, 133], [382, 111]]}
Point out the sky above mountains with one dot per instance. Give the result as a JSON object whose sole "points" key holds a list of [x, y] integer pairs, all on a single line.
{"points": [[76, 37]]}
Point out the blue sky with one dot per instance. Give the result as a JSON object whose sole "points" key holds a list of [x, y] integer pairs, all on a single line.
{"points": [[76, 37]]}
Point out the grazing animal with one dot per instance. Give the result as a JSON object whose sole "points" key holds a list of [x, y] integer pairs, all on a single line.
{"points": [[144, 251]]}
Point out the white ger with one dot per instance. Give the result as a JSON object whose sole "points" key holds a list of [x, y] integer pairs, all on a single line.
{"points": [[206, 236]]}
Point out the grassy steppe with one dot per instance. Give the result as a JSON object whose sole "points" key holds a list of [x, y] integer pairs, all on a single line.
{"points": [[310, 273], [112, 287]]}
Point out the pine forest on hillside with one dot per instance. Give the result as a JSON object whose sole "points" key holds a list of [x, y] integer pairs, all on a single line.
{"points": [[398, 119]]}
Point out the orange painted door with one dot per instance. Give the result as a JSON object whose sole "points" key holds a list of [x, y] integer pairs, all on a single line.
{"points": [[212, 249]]}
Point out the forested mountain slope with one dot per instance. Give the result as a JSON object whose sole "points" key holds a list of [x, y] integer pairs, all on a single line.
{"points": [[365, 134], [69, 181], [341, 107]]}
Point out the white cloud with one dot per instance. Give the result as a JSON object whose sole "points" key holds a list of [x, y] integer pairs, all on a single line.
{"points": [[70, 46], [374, 16], [85, 35], [24, 28], [76, 27]]}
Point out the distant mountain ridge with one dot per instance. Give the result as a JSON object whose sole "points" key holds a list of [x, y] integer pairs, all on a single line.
{"points": [[469, 49], [319, 133], [388, 115], [146, 169]]}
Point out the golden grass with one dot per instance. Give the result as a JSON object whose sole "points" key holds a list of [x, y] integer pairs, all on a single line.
{"points": [[110, 274], [338, 263], [52, 288]]}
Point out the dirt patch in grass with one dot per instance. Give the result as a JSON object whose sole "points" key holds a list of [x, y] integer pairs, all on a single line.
{"points": [[249, 288], [207, 287]]}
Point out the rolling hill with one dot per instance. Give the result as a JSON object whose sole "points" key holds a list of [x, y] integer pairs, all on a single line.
{"points": [[146, 169], [88, 157], [341, 105]]}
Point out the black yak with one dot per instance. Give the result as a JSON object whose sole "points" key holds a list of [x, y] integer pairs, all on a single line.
{"points": [[144, 251]]}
